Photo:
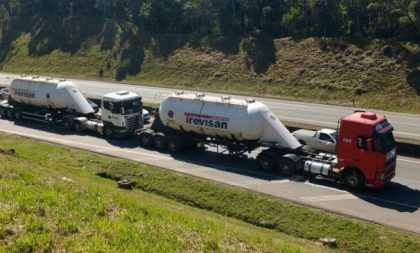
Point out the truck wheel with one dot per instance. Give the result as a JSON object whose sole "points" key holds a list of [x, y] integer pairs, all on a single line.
{"points": [[77, 125], [10, 113], [3, 114], [354, 179], [159, 140], [266, 162], [108, 132], [67, 124], [286, 166], [18, 114], [146, 139], [175, 144]]}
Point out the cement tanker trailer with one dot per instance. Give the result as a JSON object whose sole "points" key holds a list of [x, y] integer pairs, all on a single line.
{"points": [[365, 155], [60, 101], [236, 124]]}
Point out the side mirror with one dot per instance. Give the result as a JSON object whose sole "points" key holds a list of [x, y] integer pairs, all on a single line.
{"points": [[369, 144]]}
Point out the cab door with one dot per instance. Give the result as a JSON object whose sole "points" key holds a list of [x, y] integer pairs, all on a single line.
{"points": [[111, 113]]}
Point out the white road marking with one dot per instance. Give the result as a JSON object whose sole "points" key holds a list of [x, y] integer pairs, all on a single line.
{"points": [[264, 182], [403, 133], [351, 196], [325, 187], [306, 121], [389, 201], [408, 161], [329, 197], [408, 124], [101, 150]]}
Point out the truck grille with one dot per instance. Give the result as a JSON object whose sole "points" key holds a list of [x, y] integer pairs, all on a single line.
{"points": [[390, 161], [389, 171], [133, 123]]}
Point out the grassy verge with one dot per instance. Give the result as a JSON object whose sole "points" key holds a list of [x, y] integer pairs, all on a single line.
{"points": [[51, 200], [88, 213], [330, 71]]}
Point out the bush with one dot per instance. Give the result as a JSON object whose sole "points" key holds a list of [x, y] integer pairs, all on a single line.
{"points": [[388, 50]]}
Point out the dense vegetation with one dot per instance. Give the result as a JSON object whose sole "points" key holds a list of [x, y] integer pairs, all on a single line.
{"points": [[214, 18], [360, 47]]}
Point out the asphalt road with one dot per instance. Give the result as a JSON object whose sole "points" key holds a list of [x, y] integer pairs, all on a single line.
{"points": [[407, 126], [397, 205]]}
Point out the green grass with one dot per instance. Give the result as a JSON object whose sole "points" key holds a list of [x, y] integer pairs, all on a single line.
{"points": [[328, 71], [89, 214], [51, 200]]}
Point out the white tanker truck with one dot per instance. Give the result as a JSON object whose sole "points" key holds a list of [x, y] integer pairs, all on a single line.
{"points": [[236, 124], [60, 101], [365, 152]]}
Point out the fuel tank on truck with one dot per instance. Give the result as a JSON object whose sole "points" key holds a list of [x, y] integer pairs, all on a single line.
{"points": [[49, 93], [234, 119]]}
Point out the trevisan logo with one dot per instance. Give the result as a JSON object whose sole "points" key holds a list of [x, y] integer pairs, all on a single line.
{"points": [[206, 120], [24, 93]]}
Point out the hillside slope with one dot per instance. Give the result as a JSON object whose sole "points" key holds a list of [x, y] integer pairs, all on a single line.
{"points": [[56, 198], [375, 74], [46, 207]]}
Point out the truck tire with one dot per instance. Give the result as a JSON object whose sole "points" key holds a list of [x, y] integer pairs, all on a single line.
{"points": [[68, 126], [353, 179], [286, 166], [266, 162], [146, 139], [175, 144], [10, 113], [17, 114], [3, 113], [159, 140], [77, 126], [108, 132]]}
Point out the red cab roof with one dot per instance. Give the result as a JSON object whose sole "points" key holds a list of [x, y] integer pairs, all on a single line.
{"points": [[367, 118]]}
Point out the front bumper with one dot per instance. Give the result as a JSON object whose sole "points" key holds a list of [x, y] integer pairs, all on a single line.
{"points": [[383, 178]]}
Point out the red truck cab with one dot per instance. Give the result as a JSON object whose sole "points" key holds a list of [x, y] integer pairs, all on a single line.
{"points": [[366, 149]]}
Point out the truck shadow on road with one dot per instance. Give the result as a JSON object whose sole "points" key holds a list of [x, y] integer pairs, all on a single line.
{"points": [[123, 142], [46, 127], [240, 165], [394, 196]]}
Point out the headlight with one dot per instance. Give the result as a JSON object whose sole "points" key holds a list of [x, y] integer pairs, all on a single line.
{"points": [[391, 154]]}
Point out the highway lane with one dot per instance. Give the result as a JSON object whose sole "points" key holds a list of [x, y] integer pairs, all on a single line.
{"points": [[397, 205], [407, 126]]}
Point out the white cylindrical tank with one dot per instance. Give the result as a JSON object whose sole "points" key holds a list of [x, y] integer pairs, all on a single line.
{"points": [[49, 93], [235, 119]]}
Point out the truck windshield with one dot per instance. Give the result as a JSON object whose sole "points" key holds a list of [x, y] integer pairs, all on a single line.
{"points": [[385, 142], [131, 106]]}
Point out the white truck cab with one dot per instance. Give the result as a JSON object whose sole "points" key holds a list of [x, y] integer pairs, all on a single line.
{"points": [[121, 112], [60, 101]]}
